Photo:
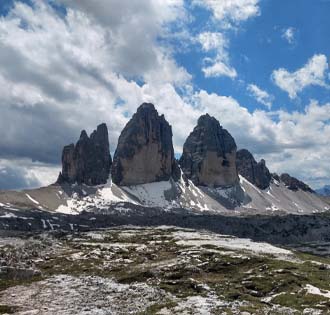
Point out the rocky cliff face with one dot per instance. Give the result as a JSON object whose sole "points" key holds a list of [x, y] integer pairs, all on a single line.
{"points": [[294, 184], [145, 150], [89, 161], [209, 155], [256, 173]]}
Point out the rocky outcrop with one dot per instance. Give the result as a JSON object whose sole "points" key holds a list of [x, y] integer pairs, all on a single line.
{"points": [[145, 150], [275, 177], [294, 184], [209, 155], [255, 172], [89, 161]]}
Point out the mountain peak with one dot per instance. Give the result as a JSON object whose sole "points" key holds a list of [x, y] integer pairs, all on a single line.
{"points": [[209, 154], [255, 172], [145, 150], [294, 184], [88, 161]]}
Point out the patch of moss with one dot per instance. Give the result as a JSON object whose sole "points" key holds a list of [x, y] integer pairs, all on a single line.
{"points": [[7, 283], [300, 301], [5, 309]]}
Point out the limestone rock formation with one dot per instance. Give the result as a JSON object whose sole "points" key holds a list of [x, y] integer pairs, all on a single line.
{"points": [[145, 150], [294, 184], [89, 161], [209, 155], [276, 177], [256, 173]]}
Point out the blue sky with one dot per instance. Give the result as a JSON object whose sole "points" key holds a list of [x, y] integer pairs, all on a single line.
{"points": [[259, 46], [261, 67]]}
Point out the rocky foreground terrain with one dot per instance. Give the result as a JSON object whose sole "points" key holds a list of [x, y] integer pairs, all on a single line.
{"points": [[158, 270]]}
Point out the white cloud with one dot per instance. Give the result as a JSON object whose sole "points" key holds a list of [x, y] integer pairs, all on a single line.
{"points": [[260, 95], [218, 68], [210, 41], [289, 35], [130, 30], [22, 173], [219, 65], [231, 11], [312, 73], [227, 14], [56, 70]]}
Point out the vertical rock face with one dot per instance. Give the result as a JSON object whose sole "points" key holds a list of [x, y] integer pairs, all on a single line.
{"points": [[209, 155], [145, 150], [294, 184], [256, 173], [89, 161]]}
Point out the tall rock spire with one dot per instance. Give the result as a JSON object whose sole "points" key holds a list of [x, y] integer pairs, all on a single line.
{"points": [[145, 150], [209, 154], [89, 161]]}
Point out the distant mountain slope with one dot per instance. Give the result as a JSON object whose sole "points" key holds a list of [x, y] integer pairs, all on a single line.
{"points": [[248, 199], [324, 191]]}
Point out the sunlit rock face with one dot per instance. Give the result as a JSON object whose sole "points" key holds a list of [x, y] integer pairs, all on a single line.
{"points": [[209, 155], [145, 150], [89, 161], [255, 172]]}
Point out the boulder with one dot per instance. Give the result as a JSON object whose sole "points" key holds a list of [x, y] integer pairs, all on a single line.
{"points": [[145, 151], [209, 155], [255, 172], [89, 161]]}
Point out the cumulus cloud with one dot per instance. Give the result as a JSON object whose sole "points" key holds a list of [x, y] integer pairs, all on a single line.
{"points": [[227, 14], [312, 73], [23, 173], [60, 73], [218, 65], [213, 41], [218, 68], [289, 35], [231, 11], [130, 31], [260, 95]]}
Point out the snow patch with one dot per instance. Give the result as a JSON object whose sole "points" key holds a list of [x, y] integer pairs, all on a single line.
{"points": [[198, 239], [33, 200], [316, 291], [151, 194], [8, 215]]}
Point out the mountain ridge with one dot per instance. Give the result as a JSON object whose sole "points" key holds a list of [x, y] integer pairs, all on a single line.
{"points": [[198, 184]]}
